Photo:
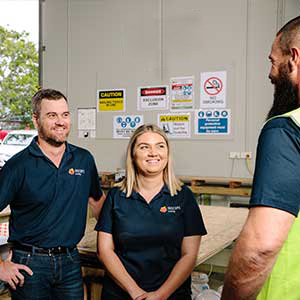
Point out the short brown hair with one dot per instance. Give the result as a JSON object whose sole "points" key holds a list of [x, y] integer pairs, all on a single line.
{"points": [[48, 94], [289, 35]]}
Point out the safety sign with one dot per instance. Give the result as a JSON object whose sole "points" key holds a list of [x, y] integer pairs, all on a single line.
{"points": [[175, 125], [182, 93], [152, 97], [111, 100], [125, 125], [212, 121], [213, 89]]}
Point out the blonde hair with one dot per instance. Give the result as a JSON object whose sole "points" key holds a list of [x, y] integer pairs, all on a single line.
{"points": [[130, 183]]}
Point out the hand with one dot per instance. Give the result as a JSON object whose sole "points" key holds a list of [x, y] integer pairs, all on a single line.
{"points": [[151, 296], [10, 272]]}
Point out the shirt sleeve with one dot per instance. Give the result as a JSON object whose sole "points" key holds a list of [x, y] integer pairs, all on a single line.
{"points": [[95, 190], [105, 221], [276, 180], [193, 221], [7, 186]]}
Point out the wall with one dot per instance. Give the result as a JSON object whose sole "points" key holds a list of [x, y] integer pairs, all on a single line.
{"points": [[94, 44]]}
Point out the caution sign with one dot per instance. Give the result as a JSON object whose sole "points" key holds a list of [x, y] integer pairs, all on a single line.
{"points": [[212, 121], [213, 89], [175, 125], [111, 100]]}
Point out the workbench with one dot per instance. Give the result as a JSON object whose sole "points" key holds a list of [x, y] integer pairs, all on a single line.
{"points": [[4, 215]]}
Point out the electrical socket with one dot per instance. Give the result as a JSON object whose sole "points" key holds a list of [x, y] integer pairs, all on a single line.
{"points": [[246, 155], [234, 155]]}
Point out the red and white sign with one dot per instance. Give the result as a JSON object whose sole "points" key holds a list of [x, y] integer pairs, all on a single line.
{"points": [[213, 89], [213, 86], [152, 98]]}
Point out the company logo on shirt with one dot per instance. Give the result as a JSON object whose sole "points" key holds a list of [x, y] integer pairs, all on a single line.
{"points": [[173, 209], [163, 209], [71, 171], [76, 172], [169, 209]]}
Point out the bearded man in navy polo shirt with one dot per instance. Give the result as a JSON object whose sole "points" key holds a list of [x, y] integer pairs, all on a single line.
{"points": [[48, 186]]}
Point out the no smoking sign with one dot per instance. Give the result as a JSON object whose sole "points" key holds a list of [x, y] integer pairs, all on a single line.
{"points": [[213, 86], [213, 89]]}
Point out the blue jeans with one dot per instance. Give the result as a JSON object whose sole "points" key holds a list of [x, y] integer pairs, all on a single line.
{"points": [[54, 277]]}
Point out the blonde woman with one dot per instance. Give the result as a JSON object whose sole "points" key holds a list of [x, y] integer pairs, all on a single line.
{"points": [[150, 227]]}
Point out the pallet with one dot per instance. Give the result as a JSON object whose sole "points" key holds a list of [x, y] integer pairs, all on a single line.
{"points": [[226, 186]]}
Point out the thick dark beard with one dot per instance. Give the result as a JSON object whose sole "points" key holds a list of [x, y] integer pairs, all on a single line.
{"points": [[285, 94], [49, 139]]}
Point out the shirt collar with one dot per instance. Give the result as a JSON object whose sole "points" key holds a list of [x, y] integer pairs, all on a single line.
{"points": [[36, 150], [136, 195]]}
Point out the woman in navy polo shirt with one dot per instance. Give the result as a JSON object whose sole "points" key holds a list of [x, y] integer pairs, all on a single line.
{"points": [[150, 227]]}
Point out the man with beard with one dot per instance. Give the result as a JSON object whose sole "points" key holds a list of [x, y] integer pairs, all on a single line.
{"points": [[265, 262], [48, 186]]}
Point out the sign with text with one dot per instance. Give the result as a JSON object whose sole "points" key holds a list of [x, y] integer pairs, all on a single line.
{"points": [[212, 121], [175, 125], [213, 89], [153, 98], [111, 100]]}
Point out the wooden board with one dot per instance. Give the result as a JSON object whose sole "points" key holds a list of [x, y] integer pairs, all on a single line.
{"points": [[216, 180], [223, 225], [4, 214], [220, 190]]}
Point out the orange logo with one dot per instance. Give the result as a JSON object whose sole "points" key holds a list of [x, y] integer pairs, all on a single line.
{"points": [[163, 209], [71, 171]]}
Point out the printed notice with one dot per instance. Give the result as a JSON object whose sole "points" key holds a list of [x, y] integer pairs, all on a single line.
{"points": [[213, 89], [212, 121], [111, 100], [125, 125], [182, 93], [153, 98], [87, 122], [175, 125]]}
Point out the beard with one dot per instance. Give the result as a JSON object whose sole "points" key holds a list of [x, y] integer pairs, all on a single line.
{"points": [[285, 93], [50, 138]]}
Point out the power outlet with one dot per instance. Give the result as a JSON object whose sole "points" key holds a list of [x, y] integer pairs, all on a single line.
{"points": [[246, 155], [234, 155]]}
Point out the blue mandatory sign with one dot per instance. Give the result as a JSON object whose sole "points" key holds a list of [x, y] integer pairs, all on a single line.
{"points": [[201, 114], [123, 124], [208, 113], [132, 124], [119, 120], [224, 113], [137, 119], [216, 113], [128, 119], [213, 126]]}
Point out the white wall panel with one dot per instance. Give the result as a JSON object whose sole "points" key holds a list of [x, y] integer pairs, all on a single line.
{"points": [[94, 44]]}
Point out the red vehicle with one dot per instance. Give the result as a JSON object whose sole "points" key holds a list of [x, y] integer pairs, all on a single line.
{"points": [[3, 134]]}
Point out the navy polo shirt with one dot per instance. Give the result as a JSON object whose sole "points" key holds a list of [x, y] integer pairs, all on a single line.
{"points": [[277, 172], [48, 204], [148, 237]]}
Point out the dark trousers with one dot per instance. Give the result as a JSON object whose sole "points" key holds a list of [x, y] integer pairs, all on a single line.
{"points": [[54, 277]]}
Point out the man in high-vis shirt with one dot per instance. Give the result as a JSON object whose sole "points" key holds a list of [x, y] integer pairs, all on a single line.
{"points": [[265, 263]]}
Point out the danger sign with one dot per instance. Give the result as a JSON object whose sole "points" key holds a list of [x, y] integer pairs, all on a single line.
{"points": [[213, 89]]}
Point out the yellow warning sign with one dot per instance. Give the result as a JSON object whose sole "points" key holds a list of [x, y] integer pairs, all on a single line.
{"points": [[181, 118], [111, 100]]}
